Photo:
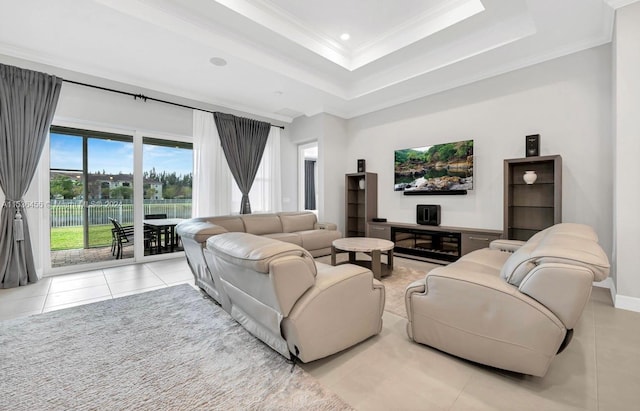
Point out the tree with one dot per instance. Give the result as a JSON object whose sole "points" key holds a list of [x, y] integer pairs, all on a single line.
{"points": [[122, 192], [65, 186], [149, 191], [170, 192]]}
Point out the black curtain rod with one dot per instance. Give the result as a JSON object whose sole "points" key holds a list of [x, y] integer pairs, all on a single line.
{"points": [[145, 98]]}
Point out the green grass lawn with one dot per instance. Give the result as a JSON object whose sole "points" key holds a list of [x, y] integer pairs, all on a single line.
{"points": [[68, 238]]}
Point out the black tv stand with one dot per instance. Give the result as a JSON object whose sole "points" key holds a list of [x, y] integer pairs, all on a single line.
{"points": [[439, 244]]}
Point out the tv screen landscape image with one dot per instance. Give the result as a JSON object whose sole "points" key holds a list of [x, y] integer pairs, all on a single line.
{"points": [[441, 168]]}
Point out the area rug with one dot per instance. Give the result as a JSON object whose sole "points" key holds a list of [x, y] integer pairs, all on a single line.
{"points": [[404, 272], [396, 284], [169, 349]]}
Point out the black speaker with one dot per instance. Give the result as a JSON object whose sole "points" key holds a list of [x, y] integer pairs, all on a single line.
{"points": [[532, 145], [361, 166], [428, 214]]}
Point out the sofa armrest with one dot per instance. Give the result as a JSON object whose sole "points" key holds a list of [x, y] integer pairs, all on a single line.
{"points": [[562, 288], [198, 231], [343, 308], [291, 277], [325, 226], [506, 245], [416, 287]]}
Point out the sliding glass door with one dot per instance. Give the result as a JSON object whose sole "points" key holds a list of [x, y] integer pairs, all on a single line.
{"points": [[167, 179], [91, 192], [94, 214]]}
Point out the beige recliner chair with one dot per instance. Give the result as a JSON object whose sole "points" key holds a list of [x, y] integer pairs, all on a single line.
{"points": [[297, 306], [513, 305]]}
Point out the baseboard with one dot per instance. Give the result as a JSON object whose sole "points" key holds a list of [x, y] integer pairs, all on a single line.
{"points": [[619, 301], [627, 303]]}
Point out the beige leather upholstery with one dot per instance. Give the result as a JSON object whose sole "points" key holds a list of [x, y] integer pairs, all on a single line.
{"points": [[259, 224], [295, 305], [293, 221], [300, 228], [194, 233], [509, 309]]}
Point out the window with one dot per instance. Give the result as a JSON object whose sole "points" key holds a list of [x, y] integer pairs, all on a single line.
{"points": [[91, 177], [167, 177], [92, 186]]}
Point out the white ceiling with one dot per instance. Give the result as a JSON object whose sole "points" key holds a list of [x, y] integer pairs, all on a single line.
{"points": [[285, 58]]}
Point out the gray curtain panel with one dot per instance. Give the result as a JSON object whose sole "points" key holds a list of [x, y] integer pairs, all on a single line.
{"points": [[28, 101], [309, 185], [243, 141]]}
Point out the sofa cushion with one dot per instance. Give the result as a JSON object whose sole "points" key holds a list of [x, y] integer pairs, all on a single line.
{"points": [[292, 238], [260, 224], [574, 229], [230, 223], [294, 221], [582, 251], [566, 242], [486, 257], [318, 239]]}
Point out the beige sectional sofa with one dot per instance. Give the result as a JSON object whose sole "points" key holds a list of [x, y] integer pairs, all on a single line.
{"points": [[282, 296], [513, 305], [299, 228]]}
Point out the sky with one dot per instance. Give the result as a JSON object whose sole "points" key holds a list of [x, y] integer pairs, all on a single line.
{"points": [[116, 156]]}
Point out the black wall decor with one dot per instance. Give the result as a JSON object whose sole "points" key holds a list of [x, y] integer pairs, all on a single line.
{"points": [[532, 145], [361, 166]]}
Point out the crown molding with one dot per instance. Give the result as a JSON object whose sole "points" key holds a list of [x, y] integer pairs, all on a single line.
{"points": [[463, 81], [502, 34], [616, 4], [419, 27]]}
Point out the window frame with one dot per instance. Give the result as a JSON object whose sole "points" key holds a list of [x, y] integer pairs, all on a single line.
{"points": [[43, 242]]}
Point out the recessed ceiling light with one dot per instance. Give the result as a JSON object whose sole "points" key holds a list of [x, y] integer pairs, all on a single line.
{"points": [[218, 61], [345, 36]]}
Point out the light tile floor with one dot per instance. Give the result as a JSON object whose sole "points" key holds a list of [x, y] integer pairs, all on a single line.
{"points": [[63, 291], [600, 370]]}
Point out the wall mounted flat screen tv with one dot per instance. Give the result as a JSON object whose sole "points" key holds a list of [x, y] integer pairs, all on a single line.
{"points": [[438, 169]]}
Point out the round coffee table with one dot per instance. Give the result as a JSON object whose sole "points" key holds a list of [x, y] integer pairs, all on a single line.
{"points": [[371, 246]]}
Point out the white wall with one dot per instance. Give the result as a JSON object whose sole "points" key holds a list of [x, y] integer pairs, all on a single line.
{"points": [[567, 101], [627, 146], [332, 166], [331, 134], [301, 131]]}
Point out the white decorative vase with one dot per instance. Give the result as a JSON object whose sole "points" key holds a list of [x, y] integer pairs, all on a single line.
{"points": [[530, 177], [361, 183]]}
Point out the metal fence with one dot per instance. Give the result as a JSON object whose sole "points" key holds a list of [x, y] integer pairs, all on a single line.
{"points": [[68, 213]]}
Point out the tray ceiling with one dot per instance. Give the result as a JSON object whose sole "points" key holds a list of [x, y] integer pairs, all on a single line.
{"points": [[286, 58]]}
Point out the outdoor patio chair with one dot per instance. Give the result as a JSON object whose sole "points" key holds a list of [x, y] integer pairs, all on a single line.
{"points": [[123, 235]]}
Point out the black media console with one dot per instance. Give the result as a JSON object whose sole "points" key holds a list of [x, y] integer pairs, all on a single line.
{"points": [[438, 245]]}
